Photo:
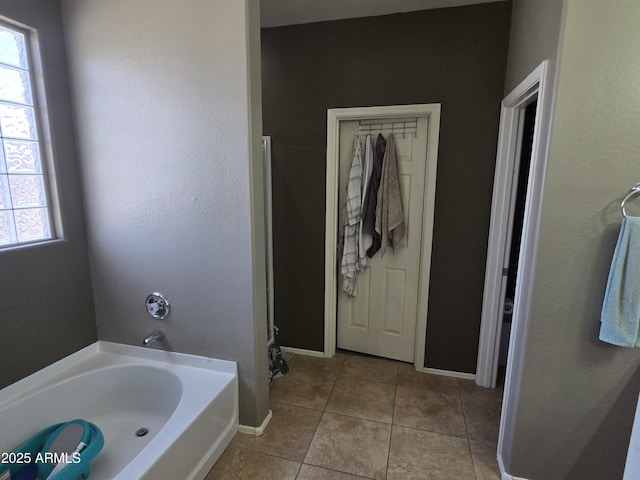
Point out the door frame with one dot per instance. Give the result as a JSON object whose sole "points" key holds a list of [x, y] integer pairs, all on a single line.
{"points": [[334, 118], [510, 134]]}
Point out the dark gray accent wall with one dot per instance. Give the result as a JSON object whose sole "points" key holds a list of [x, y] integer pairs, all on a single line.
{"points": [[453, 56], [46, 306]]}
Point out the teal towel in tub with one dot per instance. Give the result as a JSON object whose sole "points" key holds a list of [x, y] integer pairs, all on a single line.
{"points": [[621, 307]]}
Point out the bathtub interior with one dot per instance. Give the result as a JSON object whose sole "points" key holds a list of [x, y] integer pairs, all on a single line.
{"points": [[122, 394]]}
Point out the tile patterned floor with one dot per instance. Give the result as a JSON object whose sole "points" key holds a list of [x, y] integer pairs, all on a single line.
{"points": [[353, 417]]}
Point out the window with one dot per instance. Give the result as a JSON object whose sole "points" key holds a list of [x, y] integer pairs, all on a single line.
{"points": [[25, 207]]}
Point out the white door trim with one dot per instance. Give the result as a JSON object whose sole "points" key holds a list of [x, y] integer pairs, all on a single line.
{"points": [[507, 159], [334, 117]]}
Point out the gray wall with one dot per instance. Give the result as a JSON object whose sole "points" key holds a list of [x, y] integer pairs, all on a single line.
{"points": [[47, 307], [535, 37], [453, 56], [167, 96], [578, 395]]}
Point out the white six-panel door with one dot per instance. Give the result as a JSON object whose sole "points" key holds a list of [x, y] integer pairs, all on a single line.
{"points": [[381, 319]]}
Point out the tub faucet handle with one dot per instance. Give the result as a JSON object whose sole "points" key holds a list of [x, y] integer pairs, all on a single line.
{"points": [[155, 336]]}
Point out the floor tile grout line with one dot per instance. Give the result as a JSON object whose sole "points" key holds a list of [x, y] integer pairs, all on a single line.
{"points": [[361, 418], [464, 415], [323, 411], [339, 377], [459, 394], [249, 449], [335, 470], [311, 437], [464, 437], [435, 432], [246, 449], [280, 402], [393, 415]]}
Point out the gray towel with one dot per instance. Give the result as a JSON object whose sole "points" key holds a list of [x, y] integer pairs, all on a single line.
{"points": [[389, 214], [371, 202], [365, 239]]}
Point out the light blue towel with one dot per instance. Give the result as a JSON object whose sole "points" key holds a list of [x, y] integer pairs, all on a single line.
{"points": [[621, 307]]}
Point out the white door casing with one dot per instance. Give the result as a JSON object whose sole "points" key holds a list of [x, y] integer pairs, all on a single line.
{"points": [[509, 138], [334, 119], [381, 319], [536, 82]]}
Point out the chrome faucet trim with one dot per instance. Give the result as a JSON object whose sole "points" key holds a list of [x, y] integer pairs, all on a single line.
{"points": [[155, 336]]}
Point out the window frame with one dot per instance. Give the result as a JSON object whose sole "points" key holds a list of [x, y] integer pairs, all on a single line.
{"points": [[44, 135]]}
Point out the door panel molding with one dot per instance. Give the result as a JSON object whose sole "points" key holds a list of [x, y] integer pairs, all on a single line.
{"points": [[334, 118]]}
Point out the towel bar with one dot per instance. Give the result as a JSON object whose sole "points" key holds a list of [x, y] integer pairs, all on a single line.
{"points": [[635, 190]]}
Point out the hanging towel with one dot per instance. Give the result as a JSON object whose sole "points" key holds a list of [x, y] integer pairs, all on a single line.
{"points": [[365, 239], [351, 214], [371, 202], [621, 307], [389, 214]]}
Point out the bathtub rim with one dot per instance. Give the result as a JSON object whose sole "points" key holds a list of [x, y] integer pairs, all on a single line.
{"points": [[59, 370], [81, 362]]}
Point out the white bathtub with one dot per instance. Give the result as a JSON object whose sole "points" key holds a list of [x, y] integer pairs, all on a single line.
{"points": [[189, 405]]}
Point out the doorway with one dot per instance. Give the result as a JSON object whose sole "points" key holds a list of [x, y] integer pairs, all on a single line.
{"points": [[519, 186], [531, 93], [534, 87], [336, 117]]}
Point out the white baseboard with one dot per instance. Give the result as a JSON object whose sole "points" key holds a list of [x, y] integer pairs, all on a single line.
{"points": [[449, 373], [301, 351], [256, 431], [503, 474], [434, 371]]}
